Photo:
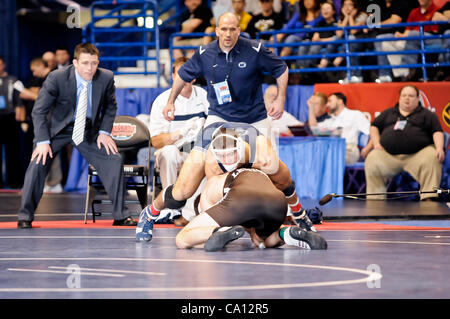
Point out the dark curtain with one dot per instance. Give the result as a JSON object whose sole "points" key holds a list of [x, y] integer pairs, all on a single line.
{"points": [[9, 45]]}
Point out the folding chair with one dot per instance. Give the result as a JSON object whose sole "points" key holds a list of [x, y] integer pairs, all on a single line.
{"points": [[129, 134]]}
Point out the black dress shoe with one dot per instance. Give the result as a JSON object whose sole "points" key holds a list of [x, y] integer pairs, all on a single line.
{"points": [[125, 222], [24, 224]]}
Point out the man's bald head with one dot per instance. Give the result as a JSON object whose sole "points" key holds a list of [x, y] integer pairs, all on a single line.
{"points": [[50, 59], [228, 17], [228, 31]]}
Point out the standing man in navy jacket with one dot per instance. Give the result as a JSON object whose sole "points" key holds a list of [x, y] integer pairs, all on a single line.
{"points": [[233, 68], [76, 105]]}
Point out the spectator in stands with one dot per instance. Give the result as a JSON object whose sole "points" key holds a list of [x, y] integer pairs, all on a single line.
{"points": [[12, 112], [243, 16], [317, 108], [443, 14], [50, 60], [328, 12], [290, 8], [267, 20], [344, 122], [62, 57], [308, 16], [406, 137], [281, 125], [172, 139], [254, 7], [199, 18], [351, 15], [424, 12], [392, 12], [40, 72]]}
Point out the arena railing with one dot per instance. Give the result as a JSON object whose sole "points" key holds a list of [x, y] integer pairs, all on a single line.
{"points": [[348, 68], [120, 43], [345, 41]]}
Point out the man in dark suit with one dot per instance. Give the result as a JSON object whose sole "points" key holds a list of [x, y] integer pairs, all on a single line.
{"points": [[76, 105]]}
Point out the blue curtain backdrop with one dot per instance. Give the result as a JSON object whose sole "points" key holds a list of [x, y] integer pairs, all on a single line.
{"points": [[296, 97], [136, 101], [317, 165]]}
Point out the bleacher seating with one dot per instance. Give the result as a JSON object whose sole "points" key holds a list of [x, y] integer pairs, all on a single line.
{"points": [[135, 50], [150, 50]]}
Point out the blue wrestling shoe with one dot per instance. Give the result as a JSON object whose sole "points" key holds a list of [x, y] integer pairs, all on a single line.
{"points": [[144, 228], [315, 215]]}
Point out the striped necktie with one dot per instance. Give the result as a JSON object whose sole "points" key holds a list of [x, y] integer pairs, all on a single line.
{"points": [[80, 119]]}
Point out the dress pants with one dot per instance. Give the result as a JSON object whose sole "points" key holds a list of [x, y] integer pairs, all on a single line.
{"points": [[109, 168], [423, 166]]}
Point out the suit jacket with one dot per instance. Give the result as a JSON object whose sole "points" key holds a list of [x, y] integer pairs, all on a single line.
{"points": [[55, 106]]}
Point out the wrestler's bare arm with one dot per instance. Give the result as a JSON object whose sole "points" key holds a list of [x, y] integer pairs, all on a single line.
{"points": [[213, 191], [266, 159], [211, 166], [189, 179]]}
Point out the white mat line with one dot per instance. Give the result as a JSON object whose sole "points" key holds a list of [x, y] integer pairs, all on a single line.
{"points": [[64, 272], [113, 270]]}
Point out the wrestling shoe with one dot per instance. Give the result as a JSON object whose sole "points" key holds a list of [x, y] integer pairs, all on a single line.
{"points": [[144, 228], [307, 239], [315, 215], [220, 238], [302, 220]]}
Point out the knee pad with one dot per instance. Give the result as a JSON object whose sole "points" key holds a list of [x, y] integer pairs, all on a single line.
{"points": [[171, 202], [290, 190]]}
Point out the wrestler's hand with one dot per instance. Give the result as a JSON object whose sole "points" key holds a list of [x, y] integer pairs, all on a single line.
{"points": [[108, 143], [267, 164], [169, 111], [276, 109], [41, 152]]}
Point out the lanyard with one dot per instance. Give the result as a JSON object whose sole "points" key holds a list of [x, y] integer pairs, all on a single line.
{"points": [[214, 69]]}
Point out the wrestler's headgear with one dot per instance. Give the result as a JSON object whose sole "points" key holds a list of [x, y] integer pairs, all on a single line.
{"points": [[226, 140]]}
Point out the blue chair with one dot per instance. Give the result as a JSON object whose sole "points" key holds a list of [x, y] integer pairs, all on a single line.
{"points": [[354, 173]]}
